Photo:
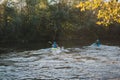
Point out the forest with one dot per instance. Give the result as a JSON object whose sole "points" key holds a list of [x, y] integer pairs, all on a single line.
{"points": [[41, 21]]}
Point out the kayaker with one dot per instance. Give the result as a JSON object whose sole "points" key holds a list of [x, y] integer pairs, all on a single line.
{"points": [[97, 42], [54, 45]]}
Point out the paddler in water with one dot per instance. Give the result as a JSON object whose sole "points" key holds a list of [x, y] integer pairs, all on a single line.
{"points": [[54, 45], [97, 43]]}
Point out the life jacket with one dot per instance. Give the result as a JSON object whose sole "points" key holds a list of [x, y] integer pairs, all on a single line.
{"points": [[54, 45], [98, 43]]}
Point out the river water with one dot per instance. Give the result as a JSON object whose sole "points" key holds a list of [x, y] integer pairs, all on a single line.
{"points": [[85, 63]]}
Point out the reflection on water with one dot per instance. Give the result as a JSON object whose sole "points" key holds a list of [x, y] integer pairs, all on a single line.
{"points": [[88, 63]]}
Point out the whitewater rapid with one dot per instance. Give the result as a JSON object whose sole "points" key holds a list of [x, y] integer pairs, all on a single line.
{"points": [[85, 63]]}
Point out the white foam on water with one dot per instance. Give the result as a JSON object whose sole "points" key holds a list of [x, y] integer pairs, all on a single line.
{"points": [[88, 62]]}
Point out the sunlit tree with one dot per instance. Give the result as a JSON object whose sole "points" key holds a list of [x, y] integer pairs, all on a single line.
{"points": [[107, 12]]}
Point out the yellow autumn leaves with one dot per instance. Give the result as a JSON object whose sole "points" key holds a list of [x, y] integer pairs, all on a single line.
{"points": [[107, 12]]}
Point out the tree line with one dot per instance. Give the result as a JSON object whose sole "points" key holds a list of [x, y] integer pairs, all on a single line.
{"points": [[48, 20]]}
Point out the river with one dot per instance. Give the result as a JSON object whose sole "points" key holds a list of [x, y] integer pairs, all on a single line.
{"points": [[85, 63]]}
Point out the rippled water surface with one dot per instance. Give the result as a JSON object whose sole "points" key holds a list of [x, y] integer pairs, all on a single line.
{"points": [[86, 63]]}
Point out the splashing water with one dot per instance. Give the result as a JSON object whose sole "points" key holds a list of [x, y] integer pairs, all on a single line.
{"points": [[88, 63]]}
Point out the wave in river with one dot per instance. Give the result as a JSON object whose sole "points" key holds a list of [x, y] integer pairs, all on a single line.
{"points": [[86, 63]]}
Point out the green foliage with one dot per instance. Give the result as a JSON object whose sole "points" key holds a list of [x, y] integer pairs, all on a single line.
{"points": [[38, 20]]}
